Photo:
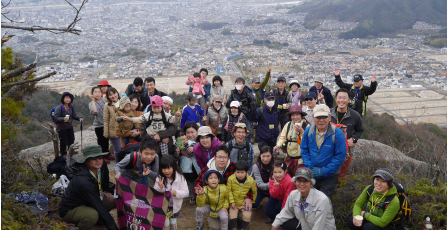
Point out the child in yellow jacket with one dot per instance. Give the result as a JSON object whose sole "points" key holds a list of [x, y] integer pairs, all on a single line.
{"points": [[213, 201], [239, 184]]}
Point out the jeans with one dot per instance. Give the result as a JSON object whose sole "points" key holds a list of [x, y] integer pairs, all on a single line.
{"points": [[366, 225], [327, 185], [66, 138], [259, 198], [102, 141], [273, 208]]}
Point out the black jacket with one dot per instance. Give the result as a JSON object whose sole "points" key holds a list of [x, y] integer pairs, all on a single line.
{"points": [[361, 98], [246, 98], [352, 120], [129, 91], [83, 190], [328, 98], [145, 98]]}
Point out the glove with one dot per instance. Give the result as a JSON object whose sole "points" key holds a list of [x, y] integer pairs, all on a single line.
{"points": [[318, 173]]}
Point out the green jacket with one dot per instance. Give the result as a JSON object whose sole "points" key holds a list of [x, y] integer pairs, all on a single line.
{"points": [[258, 95], [377, 216]]}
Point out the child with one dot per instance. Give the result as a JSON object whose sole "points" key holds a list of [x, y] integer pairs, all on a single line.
{"points": [[238, 186], [63, 116], [140, 165], [192, 112], [171, 179], [214, 201], [124, 126], [157, 120], [96, 107], [197, 81], [280, 186], [235, 116]]}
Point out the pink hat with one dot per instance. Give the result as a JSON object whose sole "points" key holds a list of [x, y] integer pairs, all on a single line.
{"points": [[234, 104], [156, 101]]}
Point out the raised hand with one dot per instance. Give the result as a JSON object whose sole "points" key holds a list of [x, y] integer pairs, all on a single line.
{"points": [[373, 78], [336, 71], [179, 112], [320, 95], [270, 69], [160, 183], [91, 97]]}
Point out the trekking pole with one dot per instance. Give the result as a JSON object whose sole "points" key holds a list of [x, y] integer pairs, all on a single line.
{"points": [[81, 138]]}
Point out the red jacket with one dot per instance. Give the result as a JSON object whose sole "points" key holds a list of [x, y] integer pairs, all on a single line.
{"points": [[283, 190]]}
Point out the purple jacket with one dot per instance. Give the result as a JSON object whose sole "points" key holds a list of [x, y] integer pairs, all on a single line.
{"points": [[203, 156]]}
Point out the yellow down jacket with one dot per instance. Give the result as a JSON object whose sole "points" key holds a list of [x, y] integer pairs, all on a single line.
{"points": [[211, 198], [238, 192]]}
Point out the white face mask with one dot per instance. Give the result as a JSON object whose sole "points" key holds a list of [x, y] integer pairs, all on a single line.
{"points": [[238, 87], [234, 114], [270, 103]]}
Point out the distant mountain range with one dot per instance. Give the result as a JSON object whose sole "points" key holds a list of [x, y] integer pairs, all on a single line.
{"points": [[375, 16]]}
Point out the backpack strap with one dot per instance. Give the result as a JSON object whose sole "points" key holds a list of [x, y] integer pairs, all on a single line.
{"points": [[247, 146], [287, 133], [151, 116], [132, 160]]}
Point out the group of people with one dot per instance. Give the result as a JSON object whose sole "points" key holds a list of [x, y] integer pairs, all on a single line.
{"points": [[210, 157]]}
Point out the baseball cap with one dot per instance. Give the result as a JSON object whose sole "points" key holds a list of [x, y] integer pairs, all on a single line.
{"points": [[311, 95], [256, 80], [234, 104], [304, 173], [321, 110], [281, 79], [269, 95], [156, 101], [358, 77], [190, 97]]}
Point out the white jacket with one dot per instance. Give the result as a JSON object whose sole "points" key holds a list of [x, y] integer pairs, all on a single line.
{"points": [[317, 215], [181, 188]]}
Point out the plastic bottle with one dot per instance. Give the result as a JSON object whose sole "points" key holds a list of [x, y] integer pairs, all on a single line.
{"points": [[428, 224]]}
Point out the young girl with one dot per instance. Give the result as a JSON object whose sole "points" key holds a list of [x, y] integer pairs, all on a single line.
{"points": [[197, 89], [170, 179], [188, 162], [235, 116], [110, 119], [280, 186], [96, 107], [213, 201], [63, 116]]}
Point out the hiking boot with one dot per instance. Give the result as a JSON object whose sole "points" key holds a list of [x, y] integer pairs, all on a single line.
{"points": [[192, 200], [200, 226], [268, 221]]}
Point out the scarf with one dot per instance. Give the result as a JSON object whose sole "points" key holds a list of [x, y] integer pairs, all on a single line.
{"points": [[296, 98], [263, 169]]}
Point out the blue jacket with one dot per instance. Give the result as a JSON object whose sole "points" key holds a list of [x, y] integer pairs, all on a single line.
{"points": [[331, 154], [263, 132], [190, 115]]}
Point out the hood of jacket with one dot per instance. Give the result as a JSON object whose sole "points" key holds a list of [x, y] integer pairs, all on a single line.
{"points": [[212, 164]]}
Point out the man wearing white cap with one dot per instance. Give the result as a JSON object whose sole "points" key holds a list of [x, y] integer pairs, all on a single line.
{"points": [[323, 149]]}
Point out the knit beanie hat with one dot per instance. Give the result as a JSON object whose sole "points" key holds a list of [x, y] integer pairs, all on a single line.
{"points": [[385, 174], [123, 101]]}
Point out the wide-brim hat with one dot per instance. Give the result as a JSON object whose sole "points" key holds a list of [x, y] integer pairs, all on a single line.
{"points": [[296, 109], [294, 82], [204, 131], [240, 125], [217, 98], [207, 174], [91, 151], [104, 83]]}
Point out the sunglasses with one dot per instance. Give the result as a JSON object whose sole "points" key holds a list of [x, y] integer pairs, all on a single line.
{"points": [[96, 158], [321, 117]]}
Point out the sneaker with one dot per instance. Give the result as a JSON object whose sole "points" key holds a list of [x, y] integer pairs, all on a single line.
{"points": [[200, 226], [268, 221], [192, 200]]}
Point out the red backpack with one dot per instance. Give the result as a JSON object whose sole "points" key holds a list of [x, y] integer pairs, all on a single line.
{"points": [[343, 128]]}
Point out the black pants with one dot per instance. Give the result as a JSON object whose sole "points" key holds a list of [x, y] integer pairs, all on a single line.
{"points": [[327, 185], [283, 119], [66, 138], [291, 224], [264, 143], [366, 225], [102, 141]]}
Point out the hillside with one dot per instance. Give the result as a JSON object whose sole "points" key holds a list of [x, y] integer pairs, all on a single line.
{"points": [[376, 16]]}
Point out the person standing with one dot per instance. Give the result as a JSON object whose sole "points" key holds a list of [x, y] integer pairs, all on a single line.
{"points": [[216, 116], [136, 88], [268, 122], [149, 84], [96, 107], [258, 88], [343, 115], [318, 88], [295, 94], [323, 149], [359, 92], [218, 89], [283, 100], [311, 100], [110, 119]]}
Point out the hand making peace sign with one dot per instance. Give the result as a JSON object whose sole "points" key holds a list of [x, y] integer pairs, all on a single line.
{"points": [[160, 183], [320, 95], [179, 112]]}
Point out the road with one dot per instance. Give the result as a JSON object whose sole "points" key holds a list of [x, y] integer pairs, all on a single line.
{"points": [[94, 77]]}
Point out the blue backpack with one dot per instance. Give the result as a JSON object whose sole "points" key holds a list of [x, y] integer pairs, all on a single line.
{"points": [[62, 110]]}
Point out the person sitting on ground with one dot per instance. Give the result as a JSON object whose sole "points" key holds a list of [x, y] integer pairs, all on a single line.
{"points": [[280, 186], [239, 184], [382, 204], [124, 126], [140, 166], [88, 197], [306, 208], [136, 88], [323, 149], [192, 112], [261, 173], [240, 148], [290, 138], [215, 202], [205, 148]]}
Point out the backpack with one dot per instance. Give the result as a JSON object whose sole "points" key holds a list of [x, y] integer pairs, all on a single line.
{"points": [[343, 128], [240, 154], [151, 114], [131, 149], [333, 130], [403, 216], [62, 111]]}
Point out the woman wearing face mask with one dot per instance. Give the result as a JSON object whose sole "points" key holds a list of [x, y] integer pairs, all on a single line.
{"points": [[216, 115], [219, 90], [235, 116]]}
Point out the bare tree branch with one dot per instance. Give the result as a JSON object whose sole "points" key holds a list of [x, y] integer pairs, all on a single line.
{"points": [[15, 88], [18, 71], [28, 81]]}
